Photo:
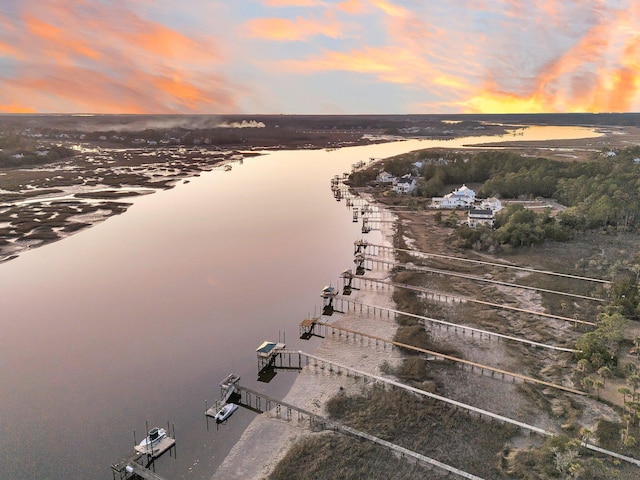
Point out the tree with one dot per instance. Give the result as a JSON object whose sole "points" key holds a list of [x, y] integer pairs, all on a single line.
{"points": [[629, 441], [583, 364], [587, 383], [624, 433], [605, 372], [586, 434], [624, 391], [598, 384], [624, 295], [634, 382], [600, 345]]}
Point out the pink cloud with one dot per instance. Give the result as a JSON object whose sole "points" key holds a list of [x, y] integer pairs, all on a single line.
{"points": [[282, 29], [72, 55], [352, 6]]}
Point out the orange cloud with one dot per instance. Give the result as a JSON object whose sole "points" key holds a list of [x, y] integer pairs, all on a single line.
{"points": [[164, 42], [390, 8], [281, 29], [7, 49], [352, 6], [16, 108], [500, 102], [388, 64], [55, 39]]}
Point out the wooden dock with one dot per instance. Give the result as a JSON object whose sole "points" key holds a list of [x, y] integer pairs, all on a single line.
{"points": [[298, 359], [304, 359], [260, 402], [492, 264], [437, 271], [145, 473], [372, 309], [136, 464], [475, 278], [227, 392], [500, 373], [158, 448], [446, 297]]}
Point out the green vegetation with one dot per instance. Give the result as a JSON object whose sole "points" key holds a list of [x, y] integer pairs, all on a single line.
{"points": [[604, 193], [515, 226], [599, 347], [559, 457], [600, 194]]}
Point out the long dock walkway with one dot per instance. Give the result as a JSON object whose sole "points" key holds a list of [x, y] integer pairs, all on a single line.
{"points": [[334, 366], [308, 359], [438, 271], [464, 299], [145, 473], [442, 323], [253, 400], [474, 365], [492, 264]]}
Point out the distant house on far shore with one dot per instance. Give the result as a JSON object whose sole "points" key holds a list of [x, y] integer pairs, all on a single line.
{"points": [[462, 197]]}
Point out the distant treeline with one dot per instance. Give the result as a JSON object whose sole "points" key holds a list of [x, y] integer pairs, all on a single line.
{"points": [[28, 157]]}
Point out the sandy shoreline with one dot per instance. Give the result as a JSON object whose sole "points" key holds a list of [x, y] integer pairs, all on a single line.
{"points": [[250, 458]]}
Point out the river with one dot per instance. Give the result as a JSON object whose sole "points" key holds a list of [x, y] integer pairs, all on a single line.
{"points": [[138, 318]]}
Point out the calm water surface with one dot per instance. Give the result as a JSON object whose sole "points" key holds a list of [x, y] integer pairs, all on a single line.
{"points": [[137, 319]]}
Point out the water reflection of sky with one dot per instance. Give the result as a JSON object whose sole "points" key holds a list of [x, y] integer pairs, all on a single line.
{"points": [[139, 317]]}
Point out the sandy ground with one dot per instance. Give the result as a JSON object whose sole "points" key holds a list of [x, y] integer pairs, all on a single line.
{"points": [[249, 459]]}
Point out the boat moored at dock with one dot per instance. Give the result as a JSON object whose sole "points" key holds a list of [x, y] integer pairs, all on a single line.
{"points": [[225, 412], [151, 441]]}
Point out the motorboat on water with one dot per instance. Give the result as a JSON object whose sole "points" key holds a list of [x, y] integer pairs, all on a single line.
{"points": [[155, 435], [225, 412]]}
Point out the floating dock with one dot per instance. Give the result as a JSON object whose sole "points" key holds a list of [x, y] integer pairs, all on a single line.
{"points": [[130, 467]]}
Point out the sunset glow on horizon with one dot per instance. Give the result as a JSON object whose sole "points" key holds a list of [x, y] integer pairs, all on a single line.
{"points": [[319, 56]]}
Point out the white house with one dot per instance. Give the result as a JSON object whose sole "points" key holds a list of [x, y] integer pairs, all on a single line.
{"points": [[385, 177], [491, 203], [479, 216], [405, 184], [462, 197]]}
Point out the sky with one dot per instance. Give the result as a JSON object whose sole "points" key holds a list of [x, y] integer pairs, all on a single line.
{"points": [[319, 56]]}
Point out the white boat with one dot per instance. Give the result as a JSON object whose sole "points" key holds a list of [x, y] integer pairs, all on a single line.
{"points": [[155, 435], [225, 412]]}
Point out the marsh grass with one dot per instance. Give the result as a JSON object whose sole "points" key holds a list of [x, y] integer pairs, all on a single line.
{"points": [[330, 456], [428, 427]]}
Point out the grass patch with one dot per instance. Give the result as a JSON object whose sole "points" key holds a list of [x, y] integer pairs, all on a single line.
{"points": [[335, 456], [428, 427], [559, 457], [74, 227], [412, 369]]}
